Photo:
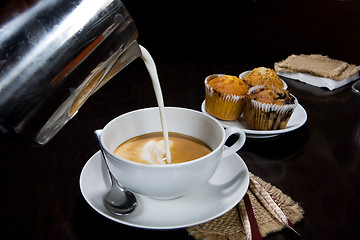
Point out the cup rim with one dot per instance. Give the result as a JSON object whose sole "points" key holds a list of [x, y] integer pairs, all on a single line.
{"points": [[175, 165]]}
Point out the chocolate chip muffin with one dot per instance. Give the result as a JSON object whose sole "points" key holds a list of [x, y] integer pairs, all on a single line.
{"points": [[269, 108]]}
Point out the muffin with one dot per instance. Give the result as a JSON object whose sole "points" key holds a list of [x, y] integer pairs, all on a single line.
{"points": [[269, 108], [225, 96], [263, 76]]}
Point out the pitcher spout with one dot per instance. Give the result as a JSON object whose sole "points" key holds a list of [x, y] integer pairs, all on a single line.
{"points": [[100, 75]]}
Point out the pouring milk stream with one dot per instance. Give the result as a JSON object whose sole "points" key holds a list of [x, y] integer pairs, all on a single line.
{"points": [[151, 67]]}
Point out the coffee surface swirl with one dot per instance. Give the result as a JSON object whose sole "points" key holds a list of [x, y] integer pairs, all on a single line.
{"points": [[150, 148]]}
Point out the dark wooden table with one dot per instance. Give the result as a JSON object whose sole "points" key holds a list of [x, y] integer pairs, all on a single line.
{"points": [[318, 165]]}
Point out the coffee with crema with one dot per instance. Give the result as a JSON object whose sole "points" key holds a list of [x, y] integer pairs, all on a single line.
{"points": [[150, 148]]}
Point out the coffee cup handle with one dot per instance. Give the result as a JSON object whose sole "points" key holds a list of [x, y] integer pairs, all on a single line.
{"points": [[237, 145]]}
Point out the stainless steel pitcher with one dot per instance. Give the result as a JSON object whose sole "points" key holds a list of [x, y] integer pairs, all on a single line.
{"points": [[56, 54]]}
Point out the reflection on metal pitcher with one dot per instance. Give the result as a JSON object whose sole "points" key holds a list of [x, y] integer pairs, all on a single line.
{"points": [[56, 54]]}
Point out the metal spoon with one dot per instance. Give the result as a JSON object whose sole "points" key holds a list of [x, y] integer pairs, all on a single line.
{"points": [[118, 200]]}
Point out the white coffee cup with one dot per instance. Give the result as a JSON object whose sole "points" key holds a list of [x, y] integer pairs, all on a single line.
{"points": [[170, 180]]}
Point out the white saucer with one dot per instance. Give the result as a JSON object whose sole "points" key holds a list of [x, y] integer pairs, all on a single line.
{"points": [[224, 190], [297, 119], [241, 75]]}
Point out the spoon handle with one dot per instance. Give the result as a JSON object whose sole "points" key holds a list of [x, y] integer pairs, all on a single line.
{"points": [[98, 136]]}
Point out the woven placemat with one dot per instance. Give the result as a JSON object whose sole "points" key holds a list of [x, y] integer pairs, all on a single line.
{"points": [[317, 65], [229, 226]]}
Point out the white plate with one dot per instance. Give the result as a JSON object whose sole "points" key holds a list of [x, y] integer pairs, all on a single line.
{"points": [[297, 119], [246, 72], [224, 190], [330, 84]]}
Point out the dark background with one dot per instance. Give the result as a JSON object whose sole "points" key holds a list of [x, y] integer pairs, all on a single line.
{"points": [[317, 165], [246, 31]]}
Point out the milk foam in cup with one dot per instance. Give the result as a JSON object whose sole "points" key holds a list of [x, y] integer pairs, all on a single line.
{"points": [[150, 148]]}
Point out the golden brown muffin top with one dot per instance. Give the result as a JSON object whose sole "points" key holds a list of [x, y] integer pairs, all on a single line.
{"points": [[269, 94], [229, 85], [262, 76]]}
